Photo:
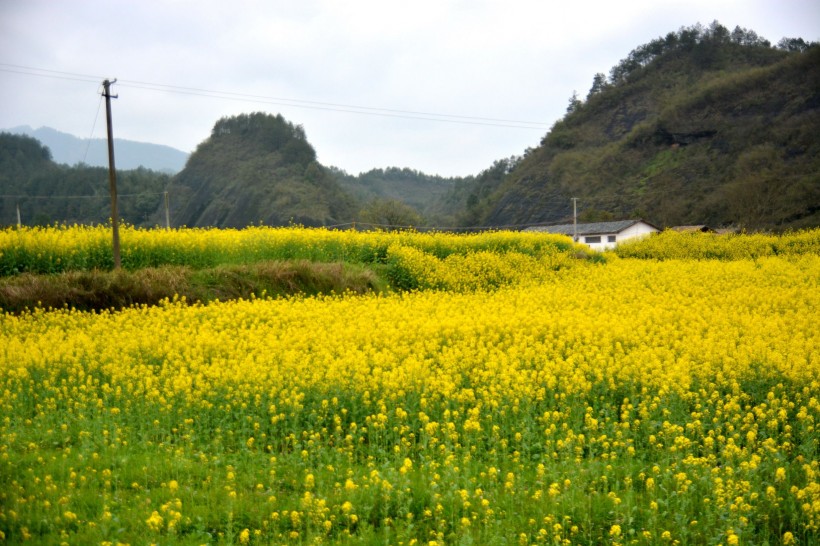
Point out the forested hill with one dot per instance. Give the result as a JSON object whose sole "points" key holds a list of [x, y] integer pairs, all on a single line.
{"points": [[257, 168], [253, 168], [44, 192], [261, 168], [701, 126], [417, 190]]}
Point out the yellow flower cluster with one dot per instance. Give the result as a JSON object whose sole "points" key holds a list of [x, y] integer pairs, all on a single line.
{"points": [[686, 246], [63, 248], [634, 402], [482, 270]]}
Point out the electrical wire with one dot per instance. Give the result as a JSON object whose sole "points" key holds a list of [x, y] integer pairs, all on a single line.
{"points": [[283, 101], [93, 126], [45, 73], [99, 196]]}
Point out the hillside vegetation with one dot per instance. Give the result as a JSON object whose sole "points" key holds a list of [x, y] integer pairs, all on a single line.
{"points": [[701, 126], [419, 193], [46, 192], [264, 173], [257, 168]]}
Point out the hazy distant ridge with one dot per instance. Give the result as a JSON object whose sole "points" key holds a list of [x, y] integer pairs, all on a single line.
{"points": [[128, 154]]}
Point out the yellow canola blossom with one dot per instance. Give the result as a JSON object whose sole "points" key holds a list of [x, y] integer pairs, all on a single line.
{"points": [[641, 388], [629, 325], [64, 248], [672, 245]]}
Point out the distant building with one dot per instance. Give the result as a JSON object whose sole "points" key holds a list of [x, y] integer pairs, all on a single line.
{"points": [[602, 235], [702, 228]]}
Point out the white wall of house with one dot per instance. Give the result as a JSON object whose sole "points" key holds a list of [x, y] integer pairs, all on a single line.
{"points": [[600, 242], [639, 230], [606, 241]]}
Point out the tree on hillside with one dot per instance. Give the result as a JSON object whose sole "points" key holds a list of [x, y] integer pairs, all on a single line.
{"points": [[269, 132], [598, 84], [390, 213], [798, 45], [746, 37], [22, 154], [574, 103]]}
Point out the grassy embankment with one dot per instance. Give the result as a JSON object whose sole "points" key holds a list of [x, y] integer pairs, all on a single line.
{"points": [[97, 289]]}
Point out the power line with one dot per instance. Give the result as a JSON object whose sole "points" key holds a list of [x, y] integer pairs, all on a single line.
{"points": [[284, 101], [321, 105], [45, 73], [93, 126], [100, 196]]}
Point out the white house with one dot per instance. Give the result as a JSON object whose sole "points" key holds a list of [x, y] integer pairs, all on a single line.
{"points": [[602, 235]]}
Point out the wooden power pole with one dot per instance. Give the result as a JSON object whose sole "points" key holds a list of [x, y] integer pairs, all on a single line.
{"points": [[167, 213], [112, 174], [575, 219]]}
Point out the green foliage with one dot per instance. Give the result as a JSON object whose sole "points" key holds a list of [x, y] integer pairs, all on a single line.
{"points": [[574, 103], [389, 214], [469, 200], [599, 83], [422, 192], [267, 132], [257, 168], [795, 44], [700, 126], [48, 193], [21, 155]]}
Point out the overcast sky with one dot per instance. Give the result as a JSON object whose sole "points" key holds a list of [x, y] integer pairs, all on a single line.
{"points": [[444, 87]]}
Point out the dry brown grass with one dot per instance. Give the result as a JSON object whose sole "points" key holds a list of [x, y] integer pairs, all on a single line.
{"points": [[87, 290]]}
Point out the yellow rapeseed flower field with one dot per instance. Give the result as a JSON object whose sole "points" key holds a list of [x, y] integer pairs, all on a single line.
{"points": [[66, 248], [518, 396]]}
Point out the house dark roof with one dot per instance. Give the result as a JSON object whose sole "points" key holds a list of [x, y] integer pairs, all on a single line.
{"points": [[596, 228]]}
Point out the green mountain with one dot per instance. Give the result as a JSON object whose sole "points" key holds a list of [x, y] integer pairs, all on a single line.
{"points": [[45, 192], [422, 192], [469, 200], [701, 126], [257, 168]]}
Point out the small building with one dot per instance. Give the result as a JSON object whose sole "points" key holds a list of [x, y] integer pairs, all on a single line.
{"points": [[699, 228], [602, 235]]}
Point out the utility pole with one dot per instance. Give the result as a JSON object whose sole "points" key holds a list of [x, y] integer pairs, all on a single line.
{"points": [[575, 219], [112, 174], [19, 223], [167, 213]]}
